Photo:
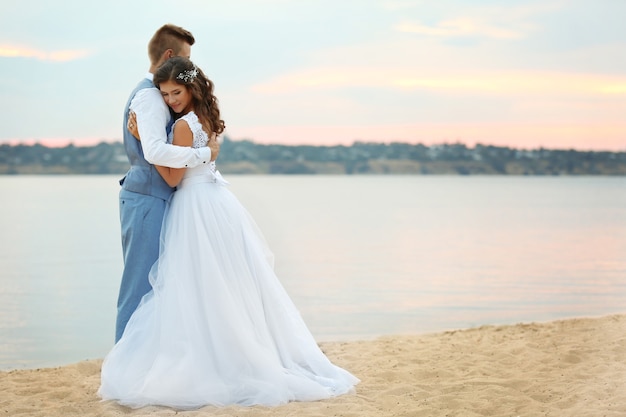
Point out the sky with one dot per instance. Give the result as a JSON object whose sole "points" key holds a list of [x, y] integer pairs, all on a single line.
{"points": [[518, 73]]}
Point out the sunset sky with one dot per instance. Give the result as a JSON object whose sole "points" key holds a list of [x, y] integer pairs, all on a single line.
{"points": [[520, 73]]}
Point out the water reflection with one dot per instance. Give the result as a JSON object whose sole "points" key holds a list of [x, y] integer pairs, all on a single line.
{"points": [[360, 256]]}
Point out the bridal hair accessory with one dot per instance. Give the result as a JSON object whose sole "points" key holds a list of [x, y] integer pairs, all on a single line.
{"points": [[188, 75]]}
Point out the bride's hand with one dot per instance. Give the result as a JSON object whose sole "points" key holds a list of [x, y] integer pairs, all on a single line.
{"points": [[132, 125]]}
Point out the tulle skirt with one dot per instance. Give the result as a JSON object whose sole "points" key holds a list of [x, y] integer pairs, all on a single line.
{"points": [[218, 327]]}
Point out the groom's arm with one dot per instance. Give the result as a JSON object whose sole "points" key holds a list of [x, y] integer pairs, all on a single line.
{"points": [[152, 118]]}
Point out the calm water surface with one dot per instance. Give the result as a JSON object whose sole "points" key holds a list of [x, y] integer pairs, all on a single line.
{"points": [[362, 256]]}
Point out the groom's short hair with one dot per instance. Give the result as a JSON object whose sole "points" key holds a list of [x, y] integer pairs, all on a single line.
{"points": [[168, 37]]}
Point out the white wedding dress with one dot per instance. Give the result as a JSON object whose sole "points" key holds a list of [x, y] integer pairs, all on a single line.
{"points": [[218, 327]]}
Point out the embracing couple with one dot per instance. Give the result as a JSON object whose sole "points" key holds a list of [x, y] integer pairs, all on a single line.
{"points": [[202, 317]]}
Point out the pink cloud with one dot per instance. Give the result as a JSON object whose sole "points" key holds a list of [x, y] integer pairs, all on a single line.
{"points": [[14, 51], [499, 83]]}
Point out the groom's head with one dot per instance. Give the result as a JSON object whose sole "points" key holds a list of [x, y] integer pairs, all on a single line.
{"points": [[167, 42]]}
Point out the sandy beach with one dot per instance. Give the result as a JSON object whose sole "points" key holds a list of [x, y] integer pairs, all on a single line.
{"points": [[573, 367]]}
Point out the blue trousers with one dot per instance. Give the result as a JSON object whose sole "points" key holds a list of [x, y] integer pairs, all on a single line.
{"points": [[141, 217]]}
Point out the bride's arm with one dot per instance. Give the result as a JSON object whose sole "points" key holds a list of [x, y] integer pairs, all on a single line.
{"points": [[182, 137]]}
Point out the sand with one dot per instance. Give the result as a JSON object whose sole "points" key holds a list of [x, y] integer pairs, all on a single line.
{"points": [[573, 367]]}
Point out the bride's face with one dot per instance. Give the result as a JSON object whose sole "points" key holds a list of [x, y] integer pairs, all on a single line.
{"points": [[176, 96]]}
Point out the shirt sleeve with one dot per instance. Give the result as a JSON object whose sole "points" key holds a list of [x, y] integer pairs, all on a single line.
{"points": [[152, 118]]}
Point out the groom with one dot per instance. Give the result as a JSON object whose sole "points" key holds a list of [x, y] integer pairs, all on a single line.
{"points": [[144, 193]]}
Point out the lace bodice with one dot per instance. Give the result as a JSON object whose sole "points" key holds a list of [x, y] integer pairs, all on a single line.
{"points": [[202, 172], [200, 137]]}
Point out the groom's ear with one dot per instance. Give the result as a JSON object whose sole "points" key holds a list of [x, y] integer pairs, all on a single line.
{"points": [[169, 53]]}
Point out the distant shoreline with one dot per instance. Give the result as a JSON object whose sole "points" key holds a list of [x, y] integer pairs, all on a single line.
{"points": [[245, 157]]}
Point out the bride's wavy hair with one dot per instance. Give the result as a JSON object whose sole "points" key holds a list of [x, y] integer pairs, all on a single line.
{"points": [[182, 71]]}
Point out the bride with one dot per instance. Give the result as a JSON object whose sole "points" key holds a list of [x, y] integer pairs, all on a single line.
{"points": [[218, 327]]}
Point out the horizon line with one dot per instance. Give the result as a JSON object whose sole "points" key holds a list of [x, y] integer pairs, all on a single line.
{"points": [[91, 142]]}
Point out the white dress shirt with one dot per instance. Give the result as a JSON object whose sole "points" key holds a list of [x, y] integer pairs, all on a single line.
{"points": [[153, 116]]}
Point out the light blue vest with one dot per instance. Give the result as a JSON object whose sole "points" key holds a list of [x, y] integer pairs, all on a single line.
{"points": [[142, 177]]}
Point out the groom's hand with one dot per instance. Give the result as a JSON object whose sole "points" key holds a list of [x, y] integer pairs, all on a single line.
{"points": [[214, 145]]}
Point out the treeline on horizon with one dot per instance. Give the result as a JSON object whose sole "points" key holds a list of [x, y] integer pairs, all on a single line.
{"points": [[247, 157]]}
